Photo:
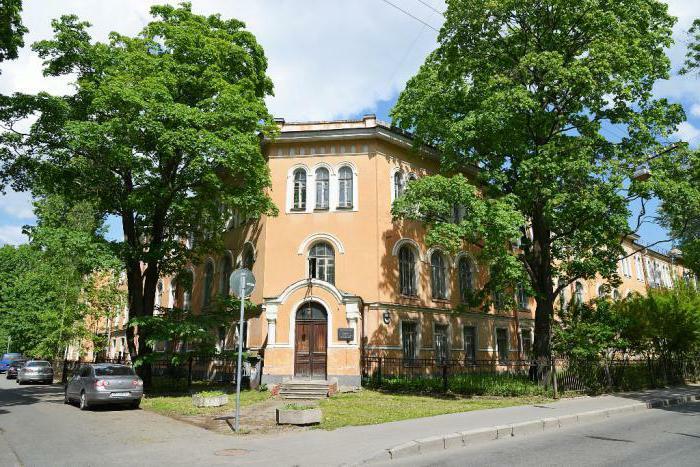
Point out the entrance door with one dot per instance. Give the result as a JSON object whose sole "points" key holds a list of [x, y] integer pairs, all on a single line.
{"points": [[311, 334]]}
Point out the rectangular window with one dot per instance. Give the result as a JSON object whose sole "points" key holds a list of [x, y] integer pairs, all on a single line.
{"points": [[470, 344], [442, 343], [526, 339], [502, 344], [409, 341]]}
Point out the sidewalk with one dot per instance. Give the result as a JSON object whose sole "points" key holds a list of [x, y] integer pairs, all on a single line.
{"points": [[356, 445]]}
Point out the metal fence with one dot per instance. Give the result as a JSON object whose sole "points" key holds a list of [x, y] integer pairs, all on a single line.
{"points": [[169, 376]]}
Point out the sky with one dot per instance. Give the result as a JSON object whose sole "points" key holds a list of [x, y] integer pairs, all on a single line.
{"points": [[328, 59]]}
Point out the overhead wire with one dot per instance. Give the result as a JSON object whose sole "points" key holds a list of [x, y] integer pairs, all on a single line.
{"points": [[410, 15]]}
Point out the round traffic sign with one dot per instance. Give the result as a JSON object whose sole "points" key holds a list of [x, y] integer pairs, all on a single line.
{"points": [[242, 278]]}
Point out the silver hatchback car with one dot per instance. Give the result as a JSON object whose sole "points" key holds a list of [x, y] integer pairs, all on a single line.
{"points": [[35, 371], [104, 383]]}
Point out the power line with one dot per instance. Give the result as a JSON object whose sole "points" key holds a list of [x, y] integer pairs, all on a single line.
{"points": [[431, 7], [409, 14]]}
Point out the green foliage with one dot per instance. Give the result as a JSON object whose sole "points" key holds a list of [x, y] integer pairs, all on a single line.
{"points": [[477, 384], [692, 56], [163, 131], [11, 29], [210, 393], [65, 274], [520, 92]]}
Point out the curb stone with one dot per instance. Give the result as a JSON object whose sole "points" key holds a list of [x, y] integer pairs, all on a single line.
{"points": [[465, 438]]}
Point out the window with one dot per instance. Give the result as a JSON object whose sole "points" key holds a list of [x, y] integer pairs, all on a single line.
{"points": [[299, 202], [470, 344], [159, 294], [183, 282], [499, 300], [442, 343], [640, 268], [322, 186], [398, 184], [345, 188], [522, 297], [409, 341], [562, 294], [407, 271], [322, 262], [437, 276], [616, 294], [466, 278], [226, 270], [526, 340], [502, 344], [248, 256], [208, 283], [578, 293], [602, 291]]}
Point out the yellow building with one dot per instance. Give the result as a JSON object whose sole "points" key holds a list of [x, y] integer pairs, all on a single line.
{"points": [[337, 278]]}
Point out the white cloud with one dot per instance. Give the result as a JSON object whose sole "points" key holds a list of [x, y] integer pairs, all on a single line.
{"points": [[11, 235], [695, 110], [17, 205], [687, 132]]}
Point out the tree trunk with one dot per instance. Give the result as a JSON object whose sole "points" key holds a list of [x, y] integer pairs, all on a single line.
{"points": [[539, 261]]}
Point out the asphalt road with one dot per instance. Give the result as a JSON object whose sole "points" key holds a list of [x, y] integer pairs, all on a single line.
{"points": [[658, 438]]}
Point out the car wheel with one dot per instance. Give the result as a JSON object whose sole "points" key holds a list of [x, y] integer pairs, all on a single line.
{"points": [[83, 401], [20, 382], [135, 405]]}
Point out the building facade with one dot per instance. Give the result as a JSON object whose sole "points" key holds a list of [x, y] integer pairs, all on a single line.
{"points": [[338, 277]]}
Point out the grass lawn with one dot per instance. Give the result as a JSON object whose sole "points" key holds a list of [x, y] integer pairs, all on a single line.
{"points": [[369, 407], [174, 405]]}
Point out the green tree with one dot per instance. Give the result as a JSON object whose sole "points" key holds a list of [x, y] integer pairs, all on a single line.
{"points": [[692, 56], [11, 29], [163, 132], [521, 92]]}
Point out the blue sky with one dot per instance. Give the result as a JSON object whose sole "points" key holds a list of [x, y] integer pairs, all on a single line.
{"points": [[331, 59]]}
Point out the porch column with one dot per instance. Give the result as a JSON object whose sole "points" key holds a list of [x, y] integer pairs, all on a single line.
{"points": [[352, 314], [271, 314]]}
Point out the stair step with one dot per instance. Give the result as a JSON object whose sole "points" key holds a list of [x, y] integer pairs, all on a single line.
{"points": [[297, 397], [304, 392]]}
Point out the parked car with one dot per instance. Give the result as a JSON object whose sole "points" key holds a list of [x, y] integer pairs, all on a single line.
{"points": [[7, 359], [35, 371], [14, 367], [104, 383]]}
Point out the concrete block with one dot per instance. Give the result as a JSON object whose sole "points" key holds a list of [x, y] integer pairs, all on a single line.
{"points": [[432, 443], [624, 410], [528, 428], [550, 423], [504, 431], [298, 417], [404, 450], [478, 435], [454, 440], [593, 416], [568, 420]]}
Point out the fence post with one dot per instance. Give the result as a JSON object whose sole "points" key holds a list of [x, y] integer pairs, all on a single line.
{"points": [[189, 372], [444, 378], [379, 372], [64, 378], [554, 378]]}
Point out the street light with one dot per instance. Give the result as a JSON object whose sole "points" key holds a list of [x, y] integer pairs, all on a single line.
{"points": [[241, 283]]}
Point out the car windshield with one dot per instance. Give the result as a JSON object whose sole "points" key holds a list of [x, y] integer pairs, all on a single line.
{"points": [[113, 371], [37, 364]]}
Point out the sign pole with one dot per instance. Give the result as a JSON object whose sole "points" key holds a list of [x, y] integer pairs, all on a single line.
{"points": [[240, 356]]}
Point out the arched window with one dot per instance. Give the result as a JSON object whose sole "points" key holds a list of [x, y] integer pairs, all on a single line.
{"points": [[311, 311], [466, 278], [208, 283], [322, 188], [159, 294], [226, 270], [248, 256], [345, 188], [299, 201], [616, 294], [602, 291], [578, 293], [183, 284], [398, 184], [407, 271], [437, 276], [322, 262]]}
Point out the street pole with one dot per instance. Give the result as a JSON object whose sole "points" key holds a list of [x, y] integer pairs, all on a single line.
{"points": [[240, 356]]}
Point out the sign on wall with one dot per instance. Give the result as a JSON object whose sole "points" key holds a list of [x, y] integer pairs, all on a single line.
{"points": [[346, 334]]}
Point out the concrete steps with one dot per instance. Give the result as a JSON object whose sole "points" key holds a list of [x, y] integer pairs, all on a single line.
{"points": [[304, 389]]}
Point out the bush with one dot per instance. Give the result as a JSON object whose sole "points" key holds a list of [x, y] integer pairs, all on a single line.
{"points": [[479, 384]]}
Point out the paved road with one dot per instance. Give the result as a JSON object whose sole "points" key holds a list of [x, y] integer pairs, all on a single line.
{"points": [[668, 437]]}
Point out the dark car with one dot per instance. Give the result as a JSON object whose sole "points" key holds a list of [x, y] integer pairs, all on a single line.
{"points": [[35, 371], [104, 383], [14, 367], [7, 359]]}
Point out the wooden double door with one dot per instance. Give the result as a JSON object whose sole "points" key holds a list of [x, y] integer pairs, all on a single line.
{"points": [[311, 342]]}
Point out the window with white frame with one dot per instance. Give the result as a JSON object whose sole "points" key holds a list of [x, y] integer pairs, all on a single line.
{"points": [[502, 346], [345, 187], [578, 293], [322, 262], [407, 270], [521, 296], [299, 190], [322, 188], [470, 344], [159, 294], [438, 275], [398, 184], [640, 269], [442, 343], [409, 341], [526, 341]]}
